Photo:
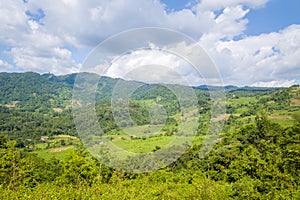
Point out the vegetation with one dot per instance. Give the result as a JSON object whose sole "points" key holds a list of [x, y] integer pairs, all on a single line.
{"points": [[41, 156]]}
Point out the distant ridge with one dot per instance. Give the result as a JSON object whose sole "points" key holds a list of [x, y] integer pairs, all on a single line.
{"points": [[231, 88], [23, 86]]}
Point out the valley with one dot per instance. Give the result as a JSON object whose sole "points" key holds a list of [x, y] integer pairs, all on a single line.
{"points": [[257, 146]]}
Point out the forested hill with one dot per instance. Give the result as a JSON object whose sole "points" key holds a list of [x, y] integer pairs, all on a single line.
{"points": [[41, 156], [25, 86], [29, 86], [20, 87]]}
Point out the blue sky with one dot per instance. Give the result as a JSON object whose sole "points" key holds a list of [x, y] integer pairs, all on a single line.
{"points": [[176, 5], [276, 15], [252, 42]]}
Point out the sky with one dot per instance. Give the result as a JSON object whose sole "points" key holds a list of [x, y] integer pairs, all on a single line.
{"points": [[251, 42]]}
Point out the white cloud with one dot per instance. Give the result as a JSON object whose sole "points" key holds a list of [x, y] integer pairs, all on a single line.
{"points": [[266, 57], [173, 63], [5, 66], [89, 22], [33, 48], [55, 60], [13, 21], [71, 26], [93, 21], [154, 66], [278, 83], [220, 4]]}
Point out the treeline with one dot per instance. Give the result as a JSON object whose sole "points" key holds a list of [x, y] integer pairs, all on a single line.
{"points": [[260, 161], [27, 127]]}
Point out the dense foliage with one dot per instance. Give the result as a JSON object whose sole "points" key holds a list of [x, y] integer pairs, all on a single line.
{"points": [[255, 157]]}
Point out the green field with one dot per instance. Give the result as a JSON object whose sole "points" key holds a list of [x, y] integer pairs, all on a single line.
{"points": [[144, 145], [59, 153], [59, 147]]}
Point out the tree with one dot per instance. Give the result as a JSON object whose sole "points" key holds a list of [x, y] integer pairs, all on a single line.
{"points": [[78, 171], [262, 124]]}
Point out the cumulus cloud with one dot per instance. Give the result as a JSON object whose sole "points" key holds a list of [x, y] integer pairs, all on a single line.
{"points": [[220, 4], [86, 23], [13, 21], [160, 60], [154, 66], [55, 60], [267, 57], [32, 47], [279, 83], [44, 36], [5, 66]]}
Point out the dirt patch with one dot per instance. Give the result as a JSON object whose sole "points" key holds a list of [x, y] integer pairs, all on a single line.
{"points": [[125, 137], [224, 117], [280, 117], [75, 104], [12, 105], [59, 110], [296, 97], [220, 118], [190, 114], [116, 139], [60, 149], [68, 107], [295, 102]]}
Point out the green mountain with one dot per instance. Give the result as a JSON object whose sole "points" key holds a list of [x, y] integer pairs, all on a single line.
{"points": [[26, 86], [255, 156]]}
